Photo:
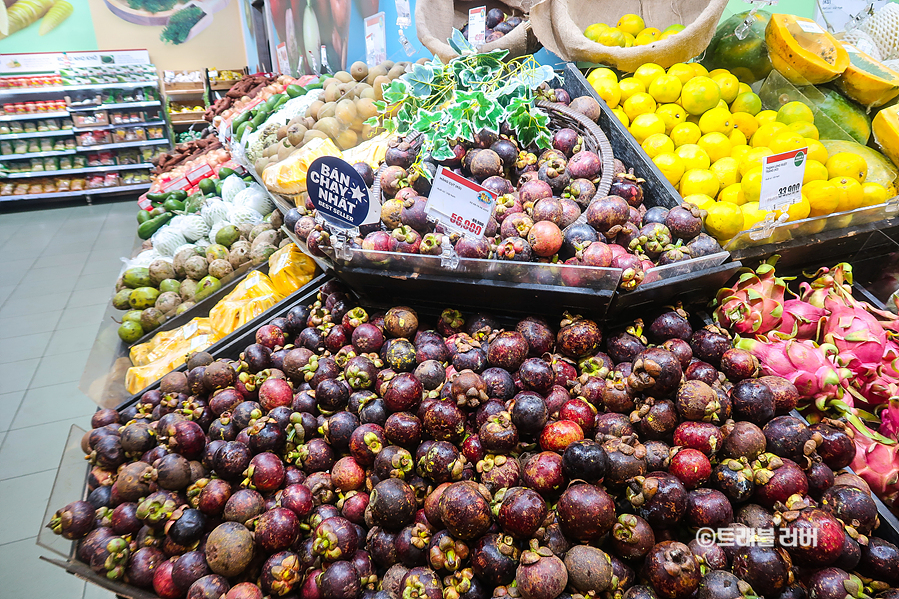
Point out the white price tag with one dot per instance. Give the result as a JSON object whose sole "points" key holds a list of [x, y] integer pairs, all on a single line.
{"points": [[283, 59], [809, 26], [199, 342], [407, 47], [375, 39], [252, 279], [283, 259], [782, 179], [190, 329], [459, 205], [403, 13], [477, 26], [145, 204]]}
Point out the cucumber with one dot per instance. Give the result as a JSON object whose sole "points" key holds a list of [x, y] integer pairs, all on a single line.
{"points": [[172, 205], [239, 120], [158, 197], [295, 91], [178, 194], [238, 133]]}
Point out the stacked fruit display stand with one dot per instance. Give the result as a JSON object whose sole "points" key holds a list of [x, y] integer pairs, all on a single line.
{"points": [[481, 327]]}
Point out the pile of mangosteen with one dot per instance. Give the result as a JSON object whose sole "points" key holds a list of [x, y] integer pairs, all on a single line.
{"points": [[352, 453], [547, 209]]}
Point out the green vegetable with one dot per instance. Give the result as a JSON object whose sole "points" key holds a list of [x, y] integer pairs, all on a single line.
{"points": [[152, 5], [157, 211], [146, 230], [172, 205], [143, 216], [241, 129], [207, 186], [224, 173], [312, 86], [295, 91], [178, 194], [193, 203], [158, 197], [179, 24], [239, 120]]}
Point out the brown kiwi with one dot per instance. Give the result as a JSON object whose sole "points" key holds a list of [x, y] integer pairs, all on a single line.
{"points": [[330, 126], [359, 70], [421, 61], [365, 108], [282, 132], [270, 151], [326, 111], [368, 132], [346, 140], [260, 165], [395, 71], [333, 92], [380, 81], [388, 64], [374, 73], [314, 108], [312, 134], [343, 76], [368, 94], [309, 122], [345, 111], [284, 151]]}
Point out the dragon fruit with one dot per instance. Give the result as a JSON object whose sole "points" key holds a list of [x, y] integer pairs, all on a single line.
{"points": [[802, 362], [857, 335], [878, 464], [800, 320], [755, 304], [889, 419]]}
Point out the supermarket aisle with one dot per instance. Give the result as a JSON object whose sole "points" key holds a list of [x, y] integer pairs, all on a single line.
{"points": [[56, 277]]}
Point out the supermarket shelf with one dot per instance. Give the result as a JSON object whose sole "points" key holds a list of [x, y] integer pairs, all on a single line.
{"points": [[192, 122], [223, 86], [119, 126], [33, 115], [77, 171], [67, 88], [185, 92], [126, 105], [7, 157], [124, 144], [34, 134], [76, 194]]}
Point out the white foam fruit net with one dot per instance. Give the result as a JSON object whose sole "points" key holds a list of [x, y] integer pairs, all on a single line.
{"points": [[883, 27]]}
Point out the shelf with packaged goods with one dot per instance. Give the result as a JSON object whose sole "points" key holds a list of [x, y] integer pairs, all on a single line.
{"points": [[78, 171], [34, 134], [77, 194], [122, 105], [117, 126], [28, 116], [21, 91], [124, 144], [48, 154]]}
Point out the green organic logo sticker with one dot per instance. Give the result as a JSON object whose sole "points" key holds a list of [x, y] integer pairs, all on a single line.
{"points": [[799, 158]]}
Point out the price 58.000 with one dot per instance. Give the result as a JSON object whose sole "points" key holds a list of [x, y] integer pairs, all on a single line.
{"points": [[466, 225]]}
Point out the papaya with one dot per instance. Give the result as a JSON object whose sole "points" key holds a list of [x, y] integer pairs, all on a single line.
{"points": [[802, 51], [746, 58], [886, 132], [866, 80]]}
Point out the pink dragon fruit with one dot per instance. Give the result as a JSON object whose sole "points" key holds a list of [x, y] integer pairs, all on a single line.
{"points": [[889, 419], [800, 320], [857, 335], [755, 304], [803, 362], [878, 464]]}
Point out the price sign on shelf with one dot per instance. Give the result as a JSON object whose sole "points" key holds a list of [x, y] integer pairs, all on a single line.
{"points": [[477, 26], [782, 179], [283, 59], [460, 205], [144, 203], [375, 39], [339, 193], [403, 13]]}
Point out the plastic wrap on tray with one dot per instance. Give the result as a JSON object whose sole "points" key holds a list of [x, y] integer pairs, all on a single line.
{"points": [[166, 351], [289, 269]]}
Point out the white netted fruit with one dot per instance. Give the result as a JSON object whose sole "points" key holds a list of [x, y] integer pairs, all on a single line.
{"points": [[892, 64], [883, 27], [863, 42]]}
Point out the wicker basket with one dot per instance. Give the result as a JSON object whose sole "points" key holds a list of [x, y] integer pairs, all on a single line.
{"points": [[436, 19], [559, 25]]}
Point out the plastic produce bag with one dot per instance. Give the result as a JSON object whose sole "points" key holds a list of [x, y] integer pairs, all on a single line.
{"points": [[289, 176], [166, 351], [232, 186], [289, 269]]}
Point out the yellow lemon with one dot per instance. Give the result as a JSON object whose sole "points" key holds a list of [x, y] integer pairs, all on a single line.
{"points": [[747, 102], [722, 105], [612, 37], [630, 86], [685, 133], [700, 94], [700, 200], [727, 170], [715, 72], [631, 23], [873, 194], [693, 156], [751, 184], [619, 112], [763, 135], [728, 84], [657, 143], [592, 31], [628, 40], [804, 129], [609, 91], [792, 112], [737, 138], [745, 123], [739, 152], [637, 104], [682, 71], [716, 120], [672, 115], [645, 125], [665, 88], [647, 73], [744, 88], [854, 195], [796, 211], [766, 116], [724, 220], [847, 164], [753, 159], [732, 193], [816, 150], [822, 196], [715, 144], [647, 36], [699, 70], [752, 215], [692, 118], [666, 34], [601, 73], [671, 165], [814, 171], [785, 141], [699, 181]]}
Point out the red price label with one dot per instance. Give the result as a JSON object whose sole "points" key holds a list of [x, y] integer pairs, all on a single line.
{"points": [[144, 203], [473, 227], [204, 171], [180, 183]]}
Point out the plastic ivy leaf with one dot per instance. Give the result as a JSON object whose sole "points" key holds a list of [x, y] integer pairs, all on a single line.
{"points": [[528, 123], [420, 80], [371, 121], [426, 120], [461, 45], [532, 78], [381, 105], [395, 92], [440, 151]]}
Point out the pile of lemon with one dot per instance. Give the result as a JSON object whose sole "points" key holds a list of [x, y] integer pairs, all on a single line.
{"points": [[630, 31], [708, 135]]}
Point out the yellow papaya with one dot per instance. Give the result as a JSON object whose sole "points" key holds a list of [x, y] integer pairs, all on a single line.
{"points": [[885, 127], [803, 52], [866, 80]]}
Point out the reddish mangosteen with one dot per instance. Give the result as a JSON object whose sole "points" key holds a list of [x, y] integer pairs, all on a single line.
{"points": [[557, 436], [499, 471], [681, 349], [335, 539], [545, 238], [776, 479], [143, 565], [585, 513], [585, 165], [581, 191], [684, 221], [673, 570], [468, 247], [567, 141], [465, 510], [820, 478], [708, 508], [738, 364], [709, 554], [531, 192], [698, 370], [571, 211], [516, 225], [702, 436], [786, 396], [836, 448], [629, 188], [578, 337], [404, 429], [607, 214], [540, 574], [403, 392], [547, 209], [626, 345], [765, 569], [270, 336], [632, 537], [691, 466]]}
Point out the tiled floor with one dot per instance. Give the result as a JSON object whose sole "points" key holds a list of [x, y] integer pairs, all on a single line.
{"points": [[59, 267]]}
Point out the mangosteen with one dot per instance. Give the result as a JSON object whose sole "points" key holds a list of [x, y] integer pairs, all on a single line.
{"points": [[585, 513], [673, 570], [632, 537], [540, 574]]}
